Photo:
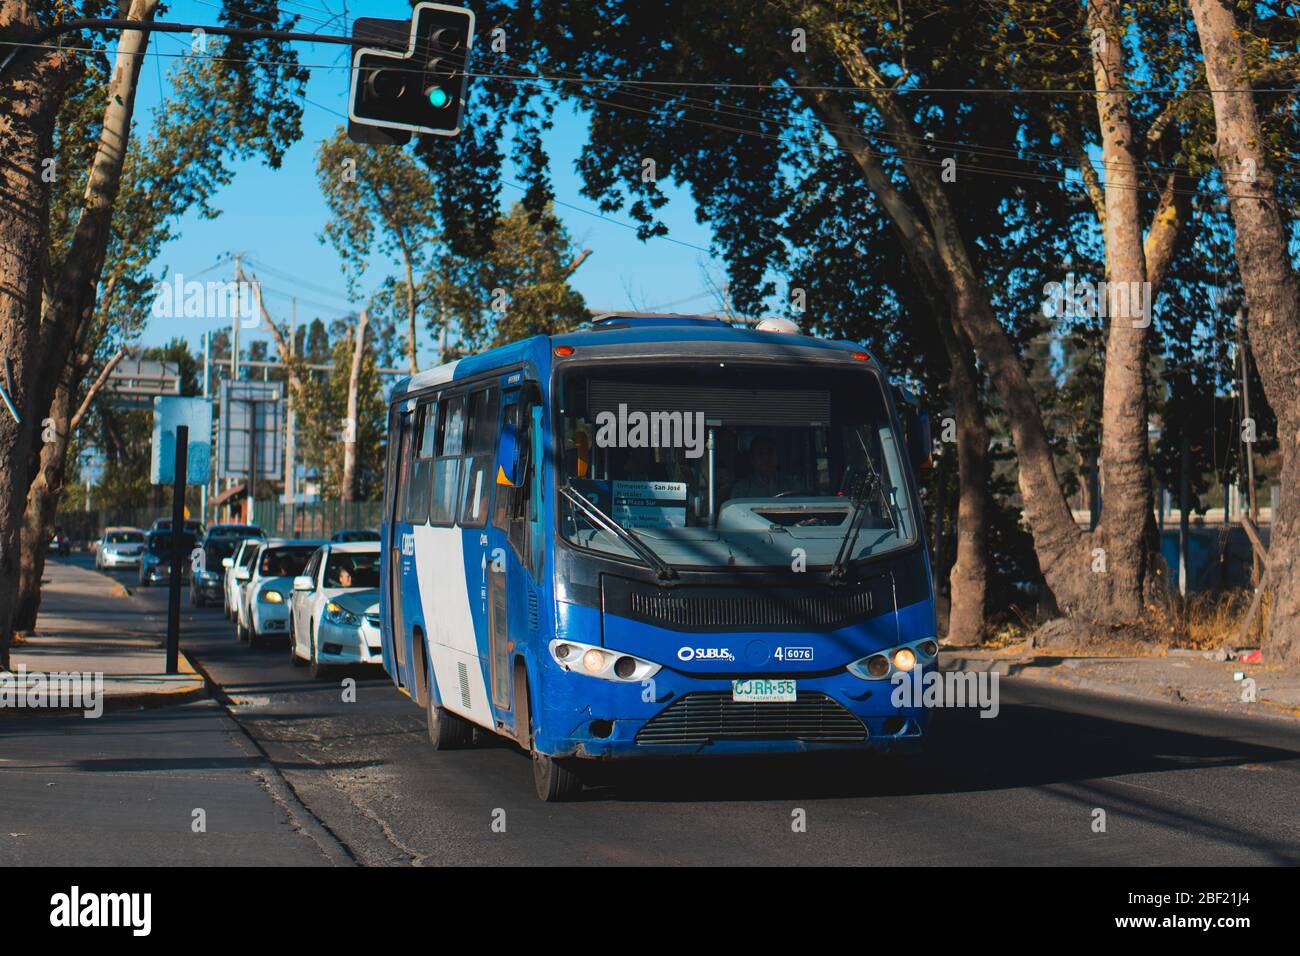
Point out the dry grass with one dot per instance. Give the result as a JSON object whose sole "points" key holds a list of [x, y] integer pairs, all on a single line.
{"points": [[1210, 621]]}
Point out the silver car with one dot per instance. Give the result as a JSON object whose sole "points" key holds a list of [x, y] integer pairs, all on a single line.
{"points": [[119, 548]]}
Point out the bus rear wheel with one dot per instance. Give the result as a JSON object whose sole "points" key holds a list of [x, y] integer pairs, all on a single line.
{"points": [[447, 731]]}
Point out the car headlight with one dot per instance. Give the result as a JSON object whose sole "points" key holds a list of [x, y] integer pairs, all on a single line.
{"points": [[888, 661], [341, 616], [601, 662], [271, 597]]}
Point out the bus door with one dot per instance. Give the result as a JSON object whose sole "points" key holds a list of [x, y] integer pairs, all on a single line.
{"points": [[514, 539], [402, 438]]}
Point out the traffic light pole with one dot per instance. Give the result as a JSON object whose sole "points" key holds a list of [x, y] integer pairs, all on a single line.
{"points": [[179, 554]]}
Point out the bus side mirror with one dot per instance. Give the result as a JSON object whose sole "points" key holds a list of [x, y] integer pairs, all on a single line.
{"points": [[916, 428], [508, 457], [919, 444]]}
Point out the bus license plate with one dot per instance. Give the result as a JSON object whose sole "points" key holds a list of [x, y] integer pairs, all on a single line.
{"points": [[760, 691]]}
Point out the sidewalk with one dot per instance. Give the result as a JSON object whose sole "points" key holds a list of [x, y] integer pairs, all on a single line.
{"points": [[1179, 676], [89, 625]]}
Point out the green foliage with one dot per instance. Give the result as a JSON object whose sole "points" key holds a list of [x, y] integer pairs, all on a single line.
{"points": [[320, 420]]}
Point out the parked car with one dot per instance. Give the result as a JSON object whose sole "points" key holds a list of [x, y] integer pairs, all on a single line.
{"points": [[268, 584], [60, 543], [354, 534], [119, 548], [206, 582], [165, 524], [156, 562], [334, 618], [244, 556]]}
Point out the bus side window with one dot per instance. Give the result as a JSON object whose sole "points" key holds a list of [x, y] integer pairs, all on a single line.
{"points": [[446, 471], [503, 502], [480, 443], [421, 469]]}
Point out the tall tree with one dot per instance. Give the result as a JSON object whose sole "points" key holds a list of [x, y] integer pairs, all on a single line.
{"points": [[381, 200], [31, 91], [1272, 290]]}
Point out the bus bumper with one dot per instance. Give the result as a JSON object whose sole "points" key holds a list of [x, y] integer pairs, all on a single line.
{"points": [[688, 715]]}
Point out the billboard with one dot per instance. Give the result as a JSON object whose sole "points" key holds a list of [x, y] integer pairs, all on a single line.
{"points": [[252, 429], [168, 414]]}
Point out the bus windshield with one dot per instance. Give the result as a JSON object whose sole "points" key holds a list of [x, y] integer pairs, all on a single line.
{"points": [[719, 466]]}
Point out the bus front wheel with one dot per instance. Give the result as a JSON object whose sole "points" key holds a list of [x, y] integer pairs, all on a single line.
{"points": [[552, 778]]}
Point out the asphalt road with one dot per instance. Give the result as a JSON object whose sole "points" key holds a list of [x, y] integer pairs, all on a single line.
{"points": [[1179, 786]]}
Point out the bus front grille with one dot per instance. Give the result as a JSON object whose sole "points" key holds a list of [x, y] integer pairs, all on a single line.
{"points": [[752, 609], [712, 715]]}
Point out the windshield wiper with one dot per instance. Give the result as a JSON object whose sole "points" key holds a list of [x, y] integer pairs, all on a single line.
{"points": [[663, 570], [865, 487]]}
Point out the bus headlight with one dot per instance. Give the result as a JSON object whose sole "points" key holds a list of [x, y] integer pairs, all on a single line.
{"points": [[601, 662], [889, 661]]}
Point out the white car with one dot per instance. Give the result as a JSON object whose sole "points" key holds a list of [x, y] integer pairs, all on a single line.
{"points": [[335, 614], [267, 585], [119, 548], [243, 557]]}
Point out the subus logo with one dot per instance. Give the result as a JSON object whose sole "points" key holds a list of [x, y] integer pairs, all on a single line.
{"points": [[408, 544], [705, 654]]}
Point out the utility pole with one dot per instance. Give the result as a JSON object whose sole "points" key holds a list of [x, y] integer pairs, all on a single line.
{"points": [[234, 324], [1244, 355], [290, 451], [207, 391]]}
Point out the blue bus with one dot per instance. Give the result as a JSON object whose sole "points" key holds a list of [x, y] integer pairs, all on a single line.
{"points": [[657, 536]]}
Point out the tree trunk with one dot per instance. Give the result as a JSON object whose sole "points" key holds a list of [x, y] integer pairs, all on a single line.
{"points": [[1124, 549], [968, 580], [350, 491], [43, 502], [1272, 297], [30, 96], [411, 350]]}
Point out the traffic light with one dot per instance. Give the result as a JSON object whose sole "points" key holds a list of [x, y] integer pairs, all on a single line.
{"points": [[422, 89]]}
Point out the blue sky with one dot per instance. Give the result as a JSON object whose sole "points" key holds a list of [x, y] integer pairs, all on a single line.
{"points": [[276, 216]]}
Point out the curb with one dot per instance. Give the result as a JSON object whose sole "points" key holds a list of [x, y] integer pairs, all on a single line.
{"points": [[1020, 669], [144, 700]]}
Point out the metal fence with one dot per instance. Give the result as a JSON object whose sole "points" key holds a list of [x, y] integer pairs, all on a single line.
{"points": [[317, 520]]}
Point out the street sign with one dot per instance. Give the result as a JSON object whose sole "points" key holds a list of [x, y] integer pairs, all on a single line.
{"points": [[252, 429], [168, 414], [134, 383]]}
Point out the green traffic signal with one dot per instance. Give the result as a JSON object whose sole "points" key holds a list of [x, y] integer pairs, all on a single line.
{"points": [[438, 97]]}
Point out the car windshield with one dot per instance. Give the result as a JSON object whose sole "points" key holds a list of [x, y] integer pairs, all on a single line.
{"points": [[287, 562], [346, 536], [352, 570], [161, 543], [124, 537], [724, 466], [218, 548]]}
